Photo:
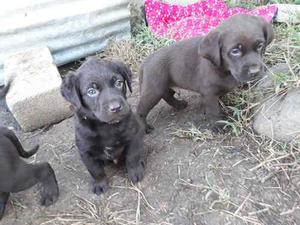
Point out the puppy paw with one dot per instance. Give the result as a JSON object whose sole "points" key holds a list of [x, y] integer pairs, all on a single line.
{"points": [[180, 104], [136, 174], [218, 127], [49, 196], [100, 187], [149, 128]]}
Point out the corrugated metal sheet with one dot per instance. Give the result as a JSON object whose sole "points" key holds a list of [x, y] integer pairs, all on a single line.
{"points": [[70, 28]]}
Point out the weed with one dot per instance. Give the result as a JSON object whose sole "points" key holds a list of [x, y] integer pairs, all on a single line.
{"points": [[135, 50], [194, 134]]}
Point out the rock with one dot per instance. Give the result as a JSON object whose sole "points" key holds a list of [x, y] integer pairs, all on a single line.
{"points": [[288, 13], [279, 117], [268, 81], [34, 96]]}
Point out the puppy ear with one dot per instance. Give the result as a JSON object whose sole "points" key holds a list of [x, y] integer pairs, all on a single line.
{"points": [[268, 32], [267, 29], [69, 90], [210, 47], [123, 70]]}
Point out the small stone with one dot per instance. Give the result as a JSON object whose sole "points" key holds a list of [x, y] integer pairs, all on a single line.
{"points": [[268, 80], [288, 13]]}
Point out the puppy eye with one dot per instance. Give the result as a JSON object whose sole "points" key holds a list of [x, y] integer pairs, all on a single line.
{"points": [[260, 46], [236, 52], [119, 84], [92, 92]]}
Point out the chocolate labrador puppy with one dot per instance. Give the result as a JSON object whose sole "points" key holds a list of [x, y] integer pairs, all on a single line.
{"points": [[105, 127], [17, 175], [211, 65]]}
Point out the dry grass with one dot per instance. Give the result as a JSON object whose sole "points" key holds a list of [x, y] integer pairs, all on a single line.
{"points": [[194, 134], [133, 51], [91, 212]]}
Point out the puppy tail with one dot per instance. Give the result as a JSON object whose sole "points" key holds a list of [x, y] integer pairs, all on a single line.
{"points": [[27, 154], [4, 90], [13, 138]]}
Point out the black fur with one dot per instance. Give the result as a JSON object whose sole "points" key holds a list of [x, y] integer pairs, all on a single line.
{"points": [[17, 175], [104, 134]]}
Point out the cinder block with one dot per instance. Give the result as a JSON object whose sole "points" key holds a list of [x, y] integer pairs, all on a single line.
{"points": [[34, 96]]}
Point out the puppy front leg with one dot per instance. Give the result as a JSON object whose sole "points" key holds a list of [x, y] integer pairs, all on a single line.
{"points": [[96, 169], [3, 200], [213, 111], [135, 164]]}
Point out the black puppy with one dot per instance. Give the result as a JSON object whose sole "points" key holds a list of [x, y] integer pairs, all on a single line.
{"points": [[17, 175], [105, 126]]}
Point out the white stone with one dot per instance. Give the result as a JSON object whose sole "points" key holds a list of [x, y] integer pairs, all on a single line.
{"points": [[288, 13], [34, 96], [279, 117]]}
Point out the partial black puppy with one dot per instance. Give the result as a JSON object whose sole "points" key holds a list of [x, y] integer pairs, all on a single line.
{"points": [[17, 175], [105, 126]]}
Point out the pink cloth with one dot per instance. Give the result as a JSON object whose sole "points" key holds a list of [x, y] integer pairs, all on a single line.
{"points": [[179, 22]]}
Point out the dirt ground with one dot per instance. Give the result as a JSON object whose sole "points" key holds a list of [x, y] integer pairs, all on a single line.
{"points": [[214, 181]]}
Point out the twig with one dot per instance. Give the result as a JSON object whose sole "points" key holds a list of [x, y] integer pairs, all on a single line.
{"points": [[243, 203], [138, 190], [138, 209], [269, 160]]}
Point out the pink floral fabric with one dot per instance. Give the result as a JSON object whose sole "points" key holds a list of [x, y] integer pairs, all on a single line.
{"points": [[179, 22]]}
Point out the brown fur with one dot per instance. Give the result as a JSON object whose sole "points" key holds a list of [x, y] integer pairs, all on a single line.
{"points": [[211, 65]]}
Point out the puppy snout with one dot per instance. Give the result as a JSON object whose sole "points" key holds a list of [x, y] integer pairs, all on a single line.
{"points": [[254, 70], [114, 107]]}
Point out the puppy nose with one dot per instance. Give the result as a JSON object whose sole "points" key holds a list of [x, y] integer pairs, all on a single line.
{"points": [[114, 107], [254, 69]]}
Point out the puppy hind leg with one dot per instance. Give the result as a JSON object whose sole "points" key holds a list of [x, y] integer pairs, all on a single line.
{"points": [[28, 175], [3, 201], [45, 174], [148, 100], [172, 101]]}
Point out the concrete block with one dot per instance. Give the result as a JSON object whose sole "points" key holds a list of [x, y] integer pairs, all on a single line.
{"points": [[71, 29], [34, 96]]}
